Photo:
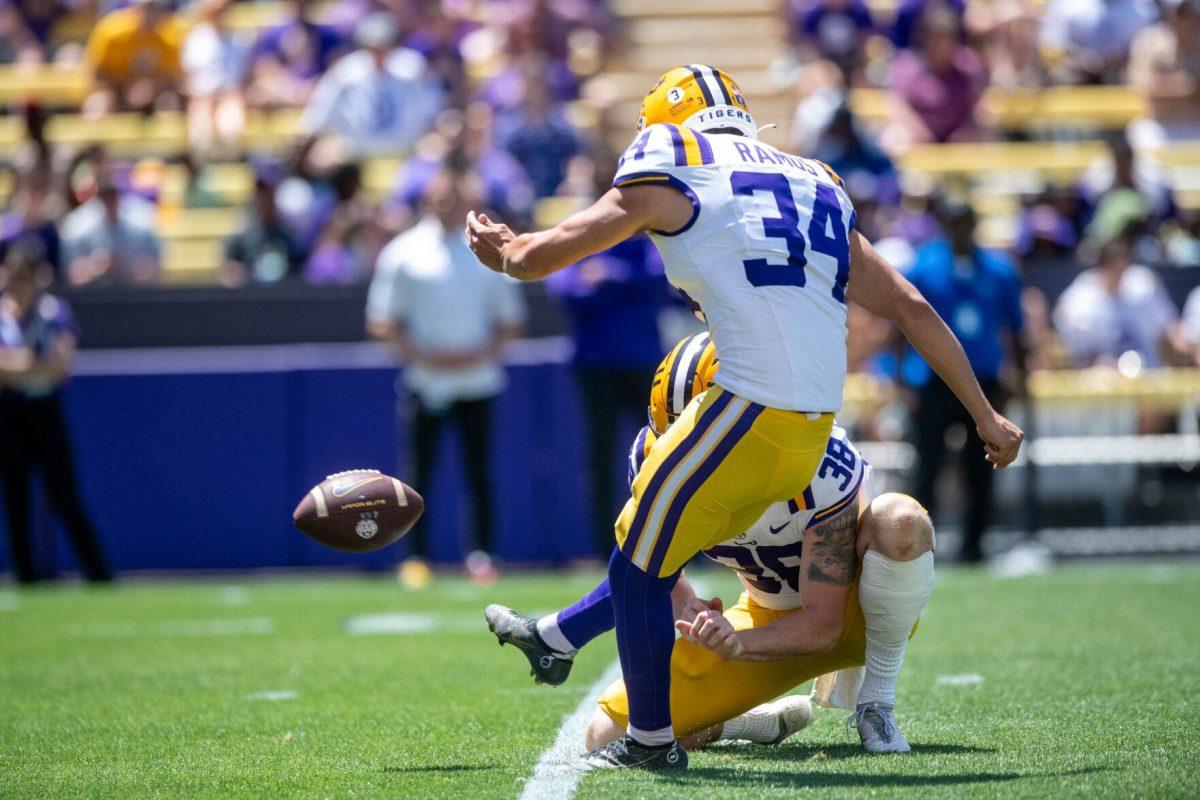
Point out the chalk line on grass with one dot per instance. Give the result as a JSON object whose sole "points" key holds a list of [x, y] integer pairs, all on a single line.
{"points": [[968, 679], [557, 772], [403, 623], [275, 696], [556, 775], [233, 596], [130, 629]]}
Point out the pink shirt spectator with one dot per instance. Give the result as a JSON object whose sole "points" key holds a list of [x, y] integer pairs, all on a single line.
{"points": [[944, 100]]}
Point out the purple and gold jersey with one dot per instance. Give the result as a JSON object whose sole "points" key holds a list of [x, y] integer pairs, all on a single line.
{"points": [[765, 257]]}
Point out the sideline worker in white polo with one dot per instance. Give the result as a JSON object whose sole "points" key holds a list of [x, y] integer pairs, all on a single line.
{"points": [[448, 320]]}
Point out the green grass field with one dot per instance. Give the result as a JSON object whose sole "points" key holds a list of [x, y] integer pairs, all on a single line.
{"points": [[1087, 687]]}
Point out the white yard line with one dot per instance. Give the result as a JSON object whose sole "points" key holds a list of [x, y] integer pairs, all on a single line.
{"points": [[131, 629], [233, 595], [400, 623], [967, 679], [557, 772], [556, 775], [411, 623], [275, 696]]}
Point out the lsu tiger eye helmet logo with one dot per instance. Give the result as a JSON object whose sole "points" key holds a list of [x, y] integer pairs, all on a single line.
{"points": [[687, 371], [700, 97]]}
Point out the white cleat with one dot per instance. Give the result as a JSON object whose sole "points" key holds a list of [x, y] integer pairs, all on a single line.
{"points": [[772, 723], [876, 723]]}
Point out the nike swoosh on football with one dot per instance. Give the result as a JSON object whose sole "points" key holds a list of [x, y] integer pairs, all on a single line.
{"points": [[342, 491]]}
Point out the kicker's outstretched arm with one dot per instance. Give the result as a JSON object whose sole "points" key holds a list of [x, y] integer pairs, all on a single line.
{"points": [[880, 289], [617, 215]]}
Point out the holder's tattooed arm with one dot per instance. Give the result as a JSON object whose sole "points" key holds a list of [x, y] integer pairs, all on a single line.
{"points": [[827, 568], [830, 553]]}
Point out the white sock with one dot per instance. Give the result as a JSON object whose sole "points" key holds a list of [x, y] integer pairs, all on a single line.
{"points": [[652, 738], [547, 628], [756, 727], [891, 594]]}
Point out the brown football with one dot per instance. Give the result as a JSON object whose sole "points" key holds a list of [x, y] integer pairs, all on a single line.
{"points": [[358, 511]]}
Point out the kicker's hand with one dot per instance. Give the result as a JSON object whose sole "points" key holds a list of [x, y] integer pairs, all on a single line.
{"points": [[1001, 439], [487, 240], [710, 629]]}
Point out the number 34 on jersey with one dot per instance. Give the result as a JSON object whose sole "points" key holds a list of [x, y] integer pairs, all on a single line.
{"points": [[765, 256]]}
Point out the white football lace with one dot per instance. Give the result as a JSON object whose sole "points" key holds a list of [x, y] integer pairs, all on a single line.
{"points": [[352, 472]]}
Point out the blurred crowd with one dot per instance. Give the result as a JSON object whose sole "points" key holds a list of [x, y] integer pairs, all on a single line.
{"points": [[433, 83], [389, 93], [938, 59]]}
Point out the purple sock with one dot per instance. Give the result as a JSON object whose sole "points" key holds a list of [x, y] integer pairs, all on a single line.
{"points": [[645, 637], [590, 617]]}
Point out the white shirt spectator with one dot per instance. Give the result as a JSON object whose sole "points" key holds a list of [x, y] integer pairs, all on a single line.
{"points": [[1191, 318], [1095, 31], [376, 110], [214, 60], [428, 280], [1099, 325], [127, 242]]}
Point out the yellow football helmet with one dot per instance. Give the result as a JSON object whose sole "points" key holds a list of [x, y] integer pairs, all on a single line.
{"points": [[687, 371], [699, 97]]}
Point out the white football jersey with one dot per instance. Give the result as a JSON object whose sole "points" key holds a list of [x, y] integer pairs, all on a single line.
{"points": [[765, 256], [766, 557]]}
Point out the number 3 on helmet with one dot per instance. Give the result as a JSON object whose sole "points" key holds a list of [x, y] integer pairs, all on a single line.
{"points": [[687, 371], [699, 97]]}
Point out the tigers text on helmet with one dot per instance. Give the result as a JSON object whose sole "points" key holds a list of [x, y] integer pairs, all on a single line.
{"points": [[687, 371], [699, 97]]}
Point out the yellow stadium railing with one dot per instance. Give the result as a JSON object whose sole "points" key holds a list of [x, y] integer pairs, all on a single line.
{"points": [[1056, 106], [1164, 389]]}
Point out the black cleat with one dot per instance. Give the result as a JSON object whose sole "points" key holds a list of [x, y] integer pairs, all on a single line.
{"points": [[547, 666], [628, 753]]}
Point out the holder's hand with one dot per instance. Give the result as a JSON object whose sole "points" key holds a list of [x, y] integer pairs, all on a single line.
{"points": [[710, 629]]}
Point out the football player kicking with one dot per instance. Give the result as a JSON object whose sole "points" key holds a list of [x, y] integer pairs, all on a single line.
{"points": [[765, 244], [834, 578]]}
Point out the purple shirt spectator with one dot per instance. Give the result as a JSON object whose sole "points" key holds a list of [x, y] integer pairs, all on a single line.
{"points": [[1044, 230], [43, 235], [305, 48], [40, 16], [539, 136], [333, 262], [507, 88], [910, 13], [942, 96], [439, 42], [49, 318], [506, 187], [305, 207], [834, 27], [914, 227], [613, 299]]}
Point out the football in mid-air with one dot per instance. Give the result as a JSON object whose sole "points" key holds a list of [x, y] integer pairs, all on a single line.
{"points": [[358, 511]]}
